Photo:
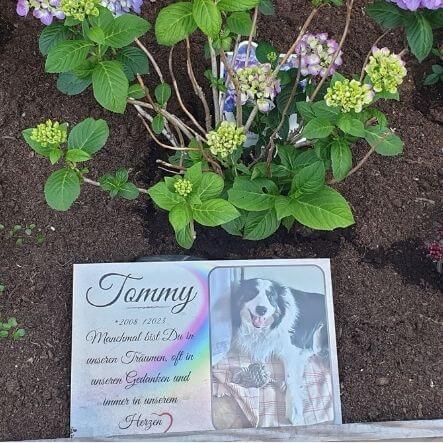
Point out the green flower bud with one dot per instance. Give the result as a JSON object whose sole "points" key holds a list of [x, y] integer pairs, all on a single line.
{"points": [[385, 70], [183, 187], [349, 95], [49, 133], [226, 139], [80, 9]]}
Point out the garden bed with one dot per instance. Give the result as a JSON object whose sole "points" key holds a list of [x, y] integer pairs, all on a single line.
{"points": [[387, 292]]}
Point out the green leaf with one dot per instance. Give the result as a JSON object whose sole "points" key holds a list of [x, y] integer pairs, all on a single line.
{"points": [[305, 110], [85, 69], [134, 62], [194, 174], [237, 5], [211, 186], [55, 155], [67, 55], [267, 7], [318, 128], [322, 110], [214, 212], [103, 19], [71, 21], [260, 225], [207, 16], [288, 155], [77, 155], [174, 23], [70, 84], [18, 334], [158, 124], [110, 85], [306, 158], [288, 222], [310, 179], [384, 141], [89, 135], [284, 206], [263, 50], [252, 195], [419, 35], [239, 23], [341, 158], [350, 125], [118, 185], [62, 189], [123, 30], [37, 147], [136, 91], [180, 216], [163, 197], [386, 14], [235, 227], [324, 210], [162, 93], [96, 34], [51, 36], [185, 237]]}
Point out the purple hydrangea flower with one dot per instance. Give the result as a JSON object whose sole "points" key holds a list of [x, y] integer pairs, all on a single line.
{"points": [[118, 7], [413, 5], [315, 52], [265, 102], [44, 10]]}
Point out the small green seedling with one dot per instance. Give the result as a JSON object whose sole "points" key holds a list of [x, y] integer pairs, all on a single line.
{"points": [[10, 329]]}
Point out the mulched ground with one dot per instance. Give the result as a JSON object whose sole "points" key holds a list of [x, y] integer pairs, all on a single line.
{"points": [[387, 293]]}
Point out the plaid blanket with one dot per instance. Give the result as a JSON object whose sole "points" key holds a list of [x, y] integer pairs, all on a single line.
{"points": [[266, 406]]}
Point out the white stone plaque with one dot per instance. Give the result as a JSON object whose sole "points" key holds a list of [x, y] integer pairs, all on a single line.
{"points": [[190, 346]]}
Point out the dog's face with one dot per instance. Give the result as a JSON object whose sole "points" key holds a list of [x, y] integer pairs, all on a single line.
{"points": [[258, 303]]}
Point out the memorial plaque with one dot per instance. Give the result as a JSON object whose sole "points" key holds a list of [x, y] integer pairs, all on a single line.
{"points": [[190, 346]]}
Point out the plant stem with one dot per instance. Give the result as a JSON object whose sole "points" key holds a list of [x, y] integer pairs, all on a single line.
{"points": [[177, 92], [235, 82], [251, 35], [251, 119], [215, 94], [297, 40], [163, 145], [337, 51], [151, 59], [271, 144], [356, 167], [94, 183], [197, 88]]}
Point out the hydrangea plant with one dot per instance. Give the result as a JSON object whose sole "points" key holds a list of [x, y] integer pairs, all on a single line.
{"points": [[418, 18], [278, 130]]}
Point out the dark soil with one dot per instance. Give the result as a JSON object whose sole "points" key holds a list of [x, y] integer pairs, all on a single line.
{"points": [[387, 293]]}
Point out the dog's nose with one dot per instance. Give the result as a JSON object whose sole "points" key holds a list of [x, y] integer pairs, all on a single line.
{"points": [[260, 310]]}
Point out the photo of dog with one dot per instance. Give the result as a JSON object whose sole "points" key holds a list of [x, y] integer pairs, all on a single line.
{"points": [[277, 332]]}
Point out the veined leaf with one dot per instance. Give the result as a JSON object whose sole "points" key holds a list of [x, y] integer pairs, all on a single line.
{"points": [[214, 212], [260, 225], [89, 135], [110, 86], [341, 158], [123, 30], [174, 23], [237, 5], [207, 16], [324, 210], [67, 55], [61, 189]]}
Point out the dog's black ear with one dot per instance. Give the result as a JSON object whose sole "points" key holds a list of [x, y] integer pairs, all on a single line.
{"points": [[281, 304], [236, 301]]}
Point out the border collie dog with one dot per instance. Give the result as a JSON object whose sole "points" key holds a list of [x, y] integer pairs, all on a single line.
{"points": [[270, 320]]}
